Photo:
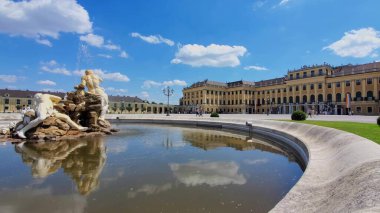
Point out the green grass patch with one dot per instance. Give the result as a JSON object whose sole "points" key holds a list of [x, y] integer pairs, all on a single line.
{"points": [[366, 130]]}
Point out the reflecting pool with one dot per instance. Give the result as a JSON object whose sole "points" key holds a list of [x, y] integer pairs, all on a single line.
{"points": [[147, 168]]}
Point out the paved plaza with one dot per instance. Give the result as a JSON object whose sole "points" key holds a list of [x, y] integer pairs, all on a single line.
{"points": [[6, 118]]}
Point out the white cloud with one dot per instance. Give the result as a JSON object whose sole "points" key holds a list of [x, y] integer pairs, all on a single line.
{"points": [[116, 91], [174, 83], [283, 2], [256, 162], [56, 70], [112, 76], [93, 40], [123, 54], [213, 55], [53, 90], [357, 43], [39, 19], [153, 39], [145, 95], [149, 83], [104, 56], [211, 173], [8, 78], [259, 4], [98, 41], [258, 68], [47, 82], [150, 189], [44, 42]]}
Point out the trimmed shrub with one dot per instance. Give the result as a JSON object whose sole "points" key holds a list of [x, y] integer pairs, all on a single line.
{"points": [[378, 121], [214, 115], [299, 116]]}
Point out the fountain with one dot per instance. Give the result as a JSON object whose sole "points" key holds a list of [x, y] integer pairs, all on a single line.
{"points": [[80, 113]]}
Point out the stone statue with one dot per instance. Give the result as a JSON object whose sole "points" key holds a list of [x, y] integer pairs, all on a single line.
{"points": [[44, 109], [92, 82]]}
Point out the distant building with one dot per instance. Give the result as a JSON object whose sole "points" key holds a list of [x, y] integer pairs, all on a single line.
{"points": [[328, 90], [16, 100]]}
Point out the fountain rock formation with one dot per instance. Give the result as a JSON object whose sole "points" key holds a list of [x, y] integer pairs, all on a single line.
{"points": [[80, 113]]}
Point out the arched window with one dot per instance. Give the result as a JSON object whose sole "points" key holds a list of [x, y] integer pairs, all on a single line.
{"points": [[369, 94], [329, 97], [312, 98], [358, 95], [338, 97], [290, 99], [284, 100], [297, 99], [320, 98], [278, 100], [304, 99]]}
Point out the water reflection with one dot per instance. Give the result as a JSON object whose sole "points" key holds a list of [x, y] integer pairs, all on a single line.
{"points": [[211, 173], [82, 160], [210, 139]]}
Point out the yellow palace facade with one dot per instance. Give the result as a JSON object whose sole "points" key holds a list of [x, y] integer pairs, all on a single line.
{"points": [[348, 89]]}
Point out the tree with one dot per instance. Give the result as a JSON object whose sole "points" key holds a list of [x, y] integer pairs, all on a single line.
{"points": [[136, 109], [143, 109], [129, 108], [122, 108], [114, 108]]}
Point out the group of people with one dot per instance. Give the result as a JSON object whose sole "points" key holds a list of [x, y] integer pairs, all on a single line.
{"points": [[199, 112]]}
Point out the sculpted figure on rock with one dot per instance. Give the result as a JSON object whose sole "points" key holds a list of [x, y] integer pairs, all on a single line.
{"points": [[44, 109], [92, 82]]}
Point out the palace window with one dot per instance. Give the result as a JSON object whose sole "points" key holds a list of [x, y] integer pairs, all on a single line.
{"points": [[329, 85], [369, 80], [29, 102], [291, 76], [358, 109], [18, 101], [369, 109], [320, 72], [296, 88], [304, 75], [312, 73], [279, 90], [348, 83], [284, 89], [337, 84], [6, 101], [320, 86], [311, 86], [358, 82], [297, 76], [304, 87], [290, 89]]}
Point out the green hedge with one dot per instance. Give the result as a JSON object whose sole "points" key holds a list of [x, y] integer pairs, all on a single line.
{"points": [[299, 116], [214, 115]]}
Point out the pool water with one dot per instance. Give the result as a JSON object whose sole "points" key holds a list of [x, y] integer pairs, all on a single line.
{"points": [[147, 168]]}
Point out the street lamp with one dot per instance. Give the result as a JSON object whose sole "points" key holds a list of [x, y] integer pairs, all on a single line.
{"points": [[168, 92]]}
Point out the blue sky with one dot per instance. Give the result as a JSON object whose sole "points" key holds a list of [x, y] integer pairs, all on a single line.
{"points": [[139, 47]]}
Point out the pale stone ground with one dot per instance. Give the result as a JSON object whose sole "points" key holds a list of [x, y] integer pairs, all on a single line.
{"points": [[5, 118]]}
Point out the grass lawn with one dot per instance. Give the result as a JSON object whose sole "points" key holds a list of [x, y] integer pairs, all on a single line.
{"points": [[366, 130]]}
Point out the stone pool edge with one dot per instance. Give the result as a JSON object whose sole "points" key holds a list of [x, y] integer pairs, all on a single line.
{"points": [[343, 169]]}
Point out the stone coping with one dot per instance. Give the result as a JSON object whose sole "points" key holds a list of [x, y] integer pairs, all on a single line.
{"points": [[342, 172]]}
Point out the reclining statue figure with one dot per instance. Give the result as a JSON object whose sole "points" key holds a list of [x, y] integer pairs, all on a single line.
{"points": [[92, 82], [44, 109]]}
